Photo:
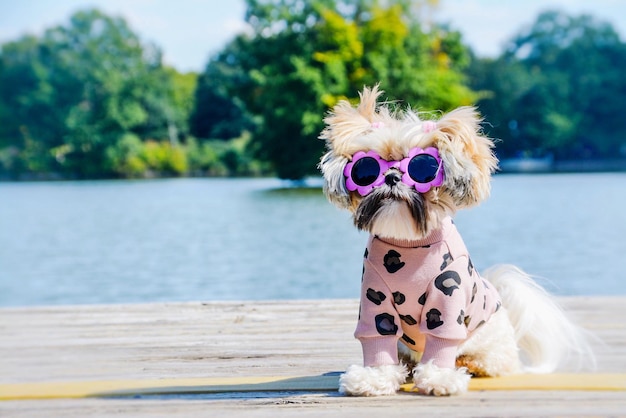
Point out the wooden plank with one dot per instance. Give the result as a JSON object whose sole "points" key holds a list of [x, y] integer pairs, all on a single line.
{"points": [[251, 340], [323, 383]]}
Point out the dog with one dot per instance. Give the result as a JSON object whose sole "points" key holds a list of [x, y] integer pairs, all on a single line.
{"points": [[424, 310]]}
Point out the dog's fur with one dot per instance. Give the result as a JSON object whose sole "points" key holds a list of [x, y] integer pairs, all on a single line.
{"points": [[530, 334]]}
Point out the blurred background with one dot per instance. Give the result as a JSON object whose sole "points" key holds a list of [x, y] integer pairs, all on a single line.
{"points": [[185, 136]]}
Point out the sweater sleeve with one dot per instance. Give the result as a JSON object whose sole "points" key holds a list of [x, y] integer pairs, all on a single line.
{"points": [[441, 351], [378, 328]]}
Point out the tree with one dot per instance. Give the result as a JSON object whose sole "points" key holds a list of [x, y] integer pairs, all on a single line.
{"points": [[69, 96], [556, 89], [217, 114], [302, 57], [182, 98]]}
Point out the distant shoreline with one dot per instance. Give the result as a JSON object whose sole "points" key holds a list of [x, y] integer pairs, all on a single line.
{"points": [[506, 166], [549, 165]]}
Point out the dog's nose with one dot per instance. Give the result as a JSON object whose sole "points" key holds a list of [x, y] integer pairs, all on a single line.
{"points": [[392, 177]]}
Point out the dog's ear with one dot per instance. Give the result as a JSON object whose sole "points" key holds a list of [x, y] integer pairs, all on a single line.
{"points": [[332, 166], [467, 155], [345, 125]]}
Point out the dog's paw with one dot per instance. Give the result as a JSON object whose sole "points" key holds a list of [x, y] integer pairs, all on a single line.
{"points": [[433, 380], [372, 381]]}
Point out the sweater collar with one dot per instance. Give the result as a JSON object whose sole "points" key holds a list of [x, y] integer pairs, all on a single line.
{"points": [[434, 237]]}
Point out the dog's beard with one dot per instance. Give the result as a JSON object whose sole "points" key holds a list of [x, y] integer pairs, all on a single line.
{"points": [[393, 212]]}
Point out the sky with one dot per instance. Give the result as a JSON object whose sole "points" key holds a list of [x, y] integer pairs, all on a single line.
{"points": [[190, 31]]}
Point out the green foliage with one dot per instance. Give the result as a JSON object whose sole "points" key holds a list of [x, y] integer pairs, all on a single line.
{"points": [[164, 157], [125, 157], [68, 98], [304, 56], [224, 158], [557, 89], [182, 101], [130, 157], [217, 115], [88, 99], [204, 159]]}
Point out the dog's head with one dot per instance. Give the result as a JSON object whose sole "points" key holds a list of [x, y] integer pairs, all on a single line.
{"points": [[400, 175]]}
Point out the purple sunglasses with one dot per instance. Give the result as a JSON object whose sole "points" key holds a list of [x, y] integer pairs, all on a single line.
{"points": [[422, 169]]}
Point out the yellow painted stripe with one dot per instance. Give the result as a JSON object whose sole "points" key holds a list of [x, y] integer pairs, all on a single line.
{"points": [[588, 381], [108, 388], [556, 381]]}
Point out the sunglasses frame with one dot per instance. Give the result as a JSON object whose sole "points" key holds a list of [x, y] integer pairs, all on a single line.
{"points": [[402, 165]]}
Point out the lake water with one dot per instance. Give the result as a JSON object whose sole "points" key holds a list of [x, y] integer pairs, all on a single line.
{"points": [[235, 239]]}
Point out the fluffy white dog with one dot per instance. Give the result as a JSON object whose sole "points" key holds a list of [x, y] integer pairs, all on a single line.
{"points": [[424, 309]]}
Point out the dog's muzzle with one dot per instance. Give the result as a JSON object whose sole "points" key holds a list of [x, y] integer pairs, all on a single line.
{"points": [[393, 191]]}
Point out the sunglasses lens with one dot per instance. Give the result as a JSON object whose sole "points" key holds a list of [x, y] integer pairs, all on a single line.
{"points": [[423, 168], [365, 171]]}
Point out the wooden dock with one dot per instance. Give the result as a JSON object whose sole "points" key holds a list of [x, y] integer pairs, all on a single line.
{"points": [[219, 340]]}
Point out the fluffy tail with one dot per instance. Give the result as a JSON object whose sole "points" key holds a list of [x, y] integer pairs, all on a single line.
{"points": [[547, 338]]}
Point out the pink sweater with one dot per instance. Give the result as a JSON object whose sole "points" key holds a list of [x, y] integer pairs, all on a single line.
{"points": [[421, 288]]}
